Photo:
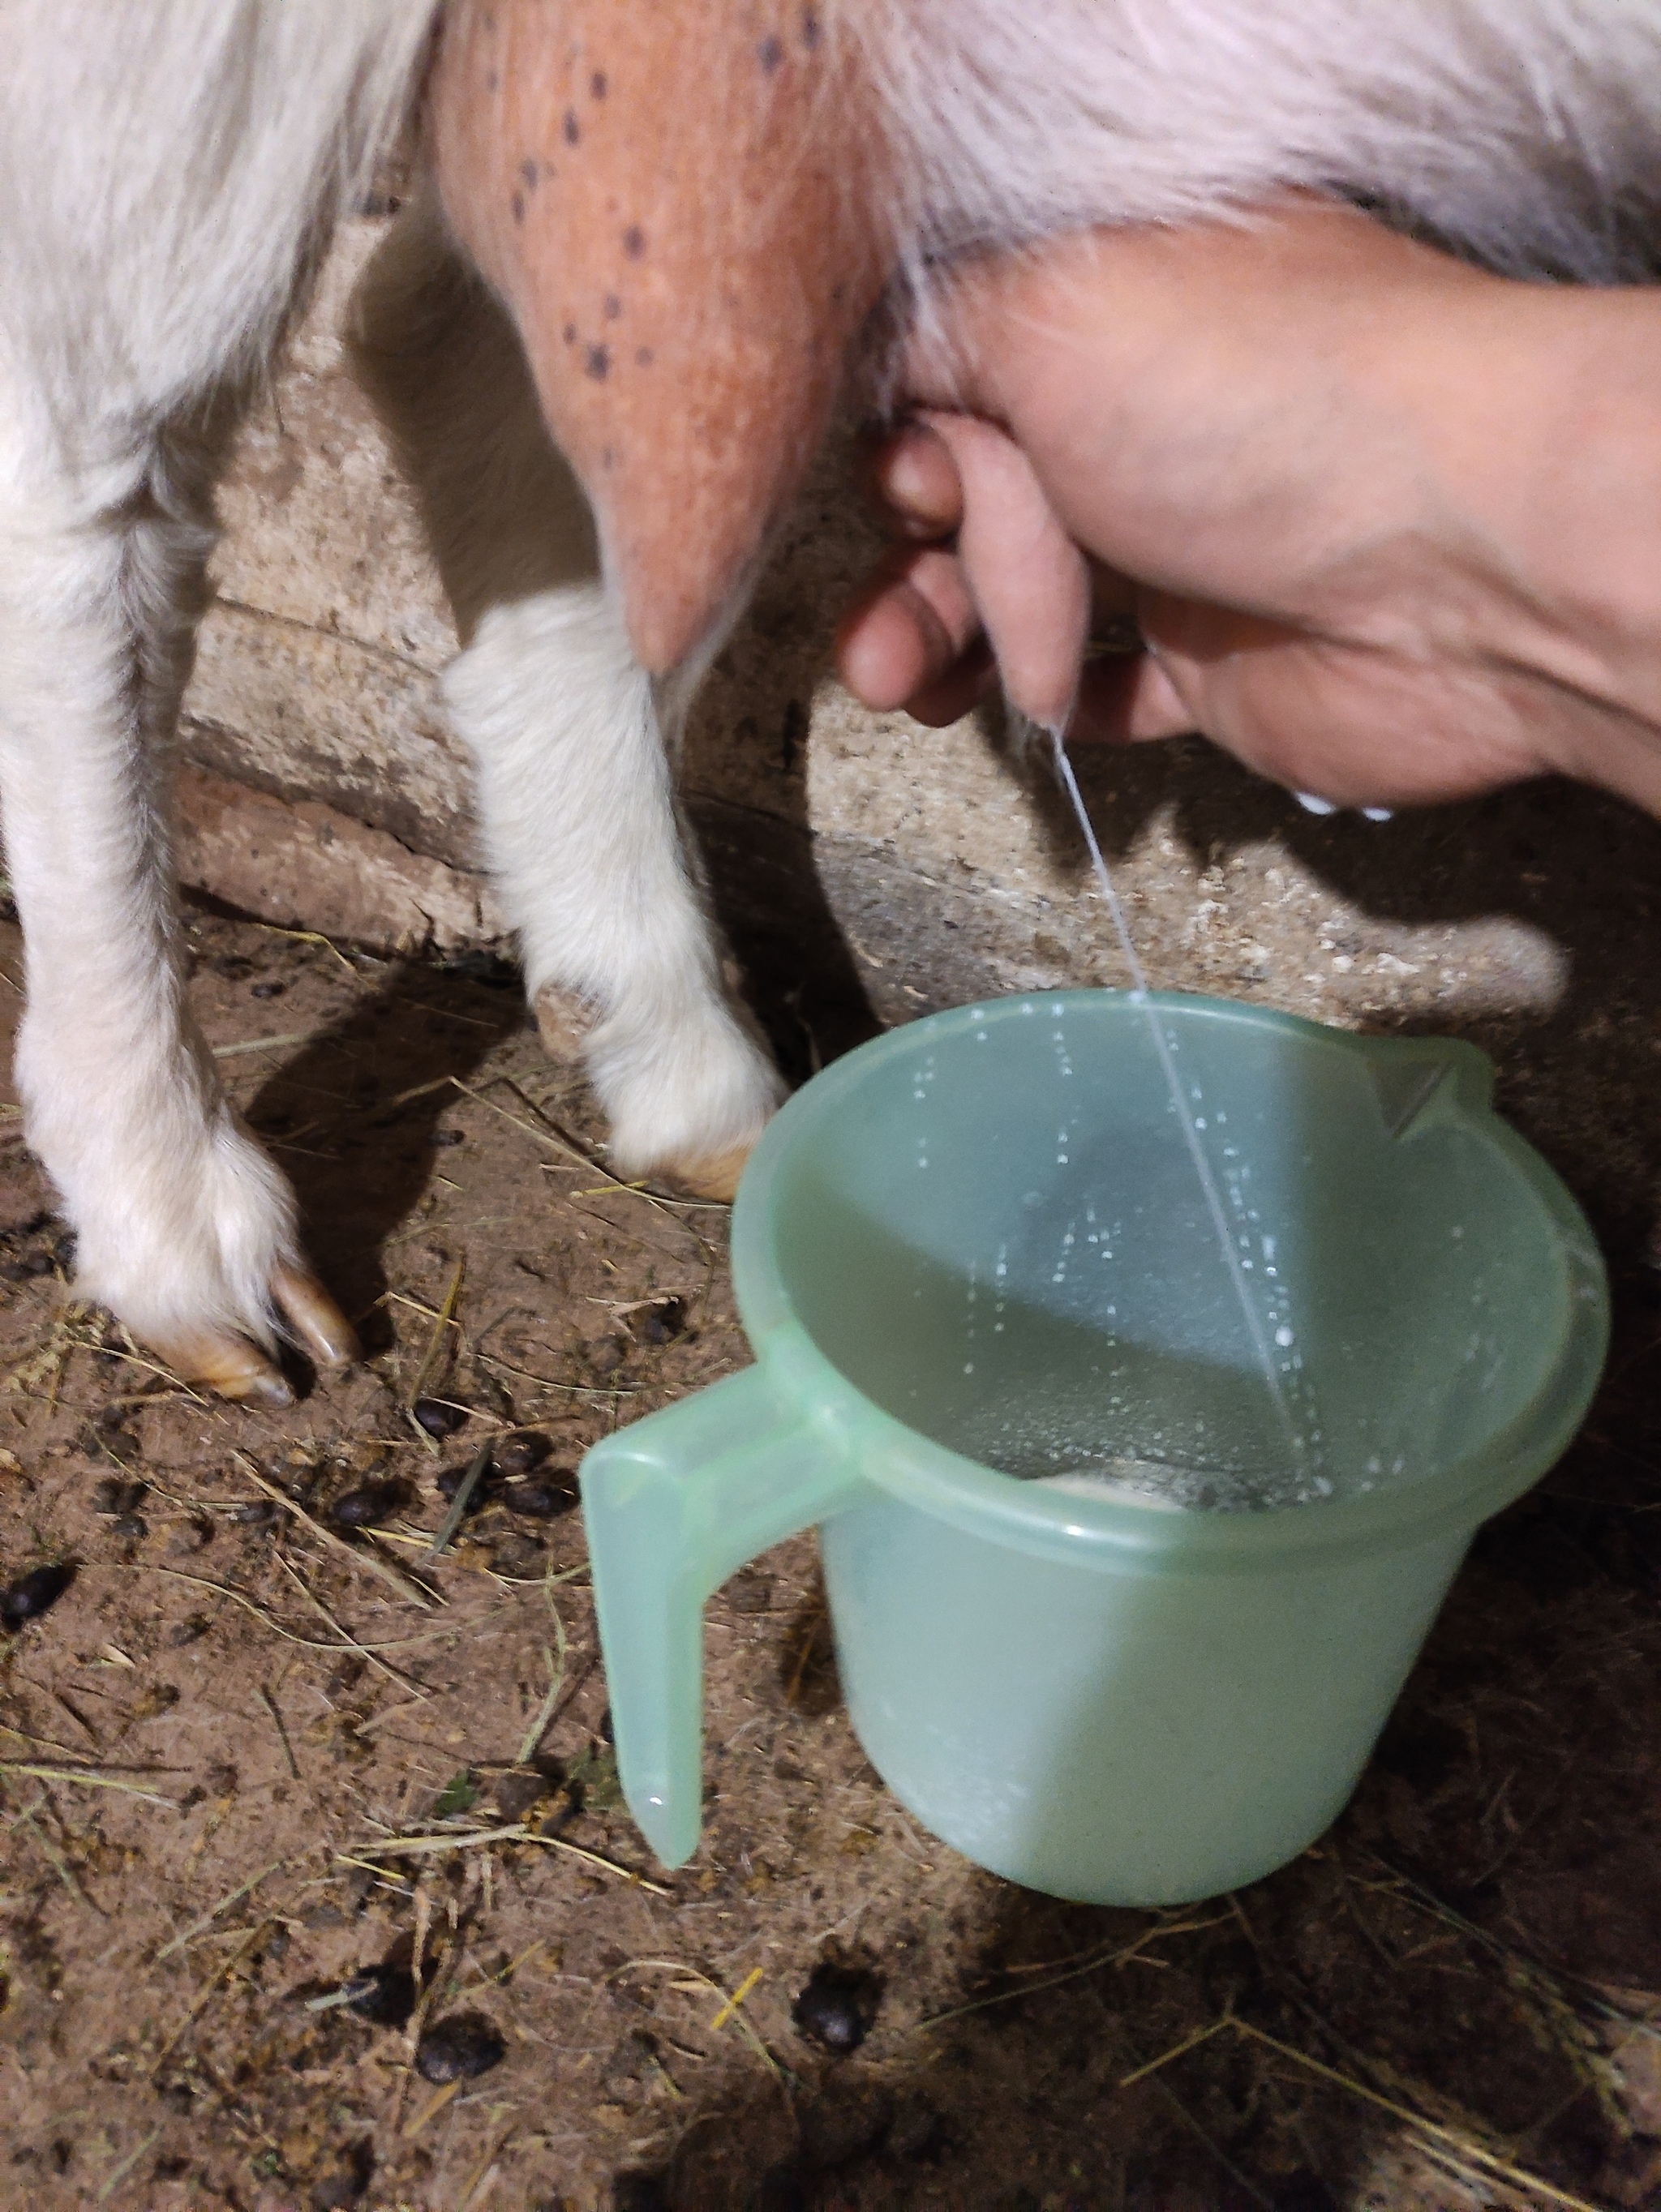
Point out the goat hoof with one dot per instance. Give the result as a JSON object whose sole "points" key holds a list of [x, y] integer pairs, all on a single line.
{"points": [[231, 1366], [236, 1367], [321, 1330], [716, 1177]]}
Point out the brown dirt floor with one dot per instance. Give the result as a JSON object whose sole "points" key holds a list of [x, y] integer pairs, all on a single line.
{"points": [[216, 1735]]}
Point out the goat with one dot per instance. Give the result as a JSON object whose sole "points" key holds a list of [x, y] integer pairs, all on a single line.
{"points": [[661, 231]]}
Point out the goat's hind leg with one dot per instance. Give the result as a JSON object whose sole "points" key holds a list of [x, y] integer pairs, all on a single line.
{"points": [[576, 797], [184, 1226]]}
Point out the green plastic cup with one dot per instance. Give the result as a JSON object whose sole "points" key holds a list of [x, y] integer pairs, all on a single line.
{"points": [[976, 1251]]}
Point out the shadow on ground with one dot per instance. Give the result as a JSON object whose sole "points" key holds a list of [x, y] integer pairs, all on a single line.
{"points": [[353, 1117]]}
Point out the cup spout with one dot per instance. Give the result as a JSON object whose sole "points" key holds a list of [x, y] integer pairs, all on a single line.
{"points": [[1412, 1077]]}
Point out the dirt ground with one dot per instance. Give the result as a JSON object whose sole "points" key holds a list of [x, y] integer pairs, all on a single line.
{"points": [[232, 1979]]}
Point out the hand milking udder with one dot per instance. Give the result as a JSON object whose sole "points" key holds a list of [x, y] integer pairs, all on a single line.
{"points": [[1377, 514], [1010, 574], [997, 588]]}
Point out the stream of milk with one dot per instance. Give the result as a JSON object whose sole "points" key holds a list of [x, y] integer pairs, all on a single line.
{"points": [[1276, 1358]]}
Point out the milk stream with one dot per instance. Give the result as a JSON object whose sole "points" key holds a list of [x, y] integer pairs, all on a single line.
{"points": [[1254, 1322]]}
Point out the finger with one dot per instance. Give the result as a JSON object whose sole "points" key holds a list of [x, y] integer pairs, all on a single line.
{"points": [[916, 480], [907, 630], [963, 686], [1030, 582]]}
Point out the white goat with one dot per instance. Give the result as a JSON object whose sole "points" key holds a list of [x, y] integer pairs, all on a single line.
{"points": [[168, 178]]}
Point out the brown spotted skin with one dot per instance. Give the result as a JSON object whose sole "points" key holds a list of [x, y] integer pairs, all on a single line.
{"points": [[682, 202]]}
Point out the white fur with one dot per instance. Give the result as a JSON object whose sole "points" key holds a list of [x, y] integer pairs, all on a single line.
{"points": [[1524, 132], [583, 839], [169, 176]]}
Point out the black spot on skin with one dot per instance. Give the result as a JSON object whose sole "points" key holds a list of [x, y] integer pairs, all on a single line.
{"points": [[606, 457], [633, 242], [493, 80], [573, 128], [598, 87], [810, 28], [597, 363], [770, 54], [570, 334], [642, 357], [518, 207], [613, 307], [529, 173]]}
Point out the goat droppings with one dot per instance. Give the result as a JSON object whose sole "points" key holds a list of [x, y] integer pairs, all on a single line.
{"points": [[34, 1593], [451, 1477], [522, 1452], [542, 1496], [458, 2049], [366, 1506], [113, 1497], [385, 1994], [661, 1323], [838, 2007], [437, 1416]]}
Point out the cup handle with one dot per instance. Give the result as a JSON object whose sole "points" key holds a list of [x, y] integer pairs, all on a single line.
{"points": [[672, 1505]]}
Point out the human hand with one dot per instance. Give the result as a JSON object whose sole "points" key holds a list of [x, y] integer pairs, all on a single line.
{"points": [[1388, 525]]}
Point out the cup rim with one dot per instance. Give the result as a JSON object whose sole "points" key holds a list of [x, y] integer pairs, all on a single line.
{"points": [[1117, 1534]]}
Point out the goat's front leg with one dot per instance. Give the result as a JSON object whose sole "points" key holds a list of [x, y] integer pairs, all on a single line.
{"points": [[184, 1226]]}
